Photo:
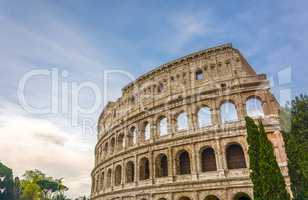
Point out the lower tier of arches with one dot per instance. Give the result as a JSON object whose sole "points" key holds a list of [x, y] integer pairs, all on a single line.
{"points": [[228, 190]]}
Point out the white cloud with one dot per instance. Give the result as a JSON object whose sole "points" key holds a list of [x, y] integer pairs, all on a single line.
{"points": [[31, 143], [186, 27]]}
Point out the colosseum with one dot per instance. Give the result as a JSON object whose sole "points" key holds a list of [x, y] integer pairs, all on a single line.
{"points": [[178, 131]]}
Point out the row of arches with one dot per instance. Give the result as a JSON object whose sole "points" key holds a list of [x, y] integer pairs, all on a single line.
{"points": [[237, 196], [228, 113], [235, 159]]}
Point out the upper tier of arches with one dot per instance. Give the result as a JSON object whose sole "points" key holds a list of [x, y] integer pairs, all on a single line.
{"points": [[207, 70], [178, 122]]}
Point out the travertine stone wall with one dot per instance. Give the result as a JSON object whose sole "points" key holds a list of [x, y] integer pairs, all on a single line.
{"points": [[170, 166]]}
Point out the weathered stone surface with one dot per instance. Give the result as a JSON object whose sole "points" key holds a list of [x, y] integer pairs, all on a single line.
{"points": [[130, 167]]}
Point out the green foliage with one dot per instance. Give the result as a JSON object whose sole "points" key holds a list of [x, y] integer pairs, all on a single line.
{"points": [[34, 175], [6, 183], [296, 142], [59, 196], [273, 184], [17, 188], [36, 183], [30, 191], [265, 172], [254, 151]]}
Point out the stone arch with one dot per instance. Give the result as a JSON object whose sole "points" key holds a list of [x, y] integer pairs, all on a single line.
{"points": [[118, 175], [97, 183], [144, 169], [105, 149], [109, 172], [211, 197], [184, 198], [160, 87], [182, 121], [241, 196], [112, 145], [132, 136], [208, 159], [199, 75], [130, 172], [228, 112], [254, 107], [161, 165], [235, 156], [146, 130], [102, 180], [183, 163], [120, 141], [204, 116], [163, 125]]}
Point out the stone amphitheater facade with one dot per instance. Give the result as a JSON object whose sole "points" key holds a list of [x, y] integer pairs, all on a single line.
{"points": [[178, 131]]}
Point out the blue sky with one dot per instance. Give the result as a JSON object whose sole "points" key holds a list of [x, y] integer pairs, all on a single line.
{"points": [[86, 37]]}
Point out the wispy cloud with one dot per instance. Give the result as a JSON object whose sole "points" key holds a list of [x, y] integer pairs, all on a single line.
{"points": [[85, 38], [187, 27], [41, 144]]}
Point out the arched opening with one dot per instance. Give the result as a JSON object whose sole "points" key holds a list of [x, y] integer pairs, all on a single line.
{"points": [[208, 160], [254, 107], [183, 163], [199, 75], [163, 129], [109, 178], [105, 149], [144, 169], [204, 117], [130, 172], [112, 145], [120, 142], [97, 183], [184, 198], [160, 87], [102, 181], [235, 157], [211, 197], [132, 136], [132, 99], [147, 131], [228, 112], [161, 165], [118, 175], [182, 121], [241, 196]]}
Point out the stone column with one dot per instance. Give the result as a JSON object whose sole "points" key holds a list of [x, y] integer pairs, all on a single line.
{"points": [[152, 166], [171, 165], [136, 176], [123, 173], [194, 168], [112, 177], [220, 158]]}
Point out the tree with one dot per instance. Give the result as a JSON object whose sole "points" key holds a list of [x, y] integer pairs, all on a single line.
{"points": [[273, 183], [266, 175], [30, 191], [36, 183], [59, 196], [6, 183], [17, 188], [254, 151], [295, 133]]}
